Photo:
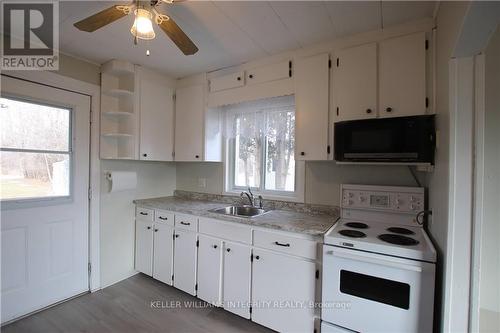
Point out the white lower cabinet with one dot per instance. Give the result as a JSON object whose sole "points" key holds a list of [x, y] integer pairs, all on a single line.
{"points": [[144, 247], [163, 253], [185, 257], [209, 269], [282, 289], [236, 278]]}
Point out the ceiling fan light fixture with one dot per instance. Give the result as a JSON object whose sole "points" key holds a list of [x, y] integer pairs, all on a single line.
{"points": [[143, 25]]}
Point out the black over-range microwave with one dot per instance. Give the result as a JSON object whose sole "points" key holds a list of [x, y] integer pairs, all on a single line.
{"points": [[409, 140]]}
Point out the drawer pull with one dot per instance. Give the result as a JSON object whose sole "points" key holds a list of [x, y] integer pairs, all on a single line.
{"points": [[142, 213], [214, 246], [163, 218], [149, 228], [185, 223], [282, 244], [176, 236], [156, 230]]}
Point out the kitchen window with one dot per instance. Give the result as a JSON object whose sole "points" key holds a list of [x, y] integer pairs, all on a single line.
{"points": [[35, 150], [260, 148]]}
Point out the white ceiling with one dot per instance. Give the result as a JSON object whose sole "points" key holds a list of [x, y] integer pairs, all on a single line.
{"points": [[230, 32]]}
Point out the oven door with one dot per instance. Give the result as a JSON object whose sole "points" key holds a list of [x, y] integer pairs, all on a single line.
{"points": [[368, 292]]}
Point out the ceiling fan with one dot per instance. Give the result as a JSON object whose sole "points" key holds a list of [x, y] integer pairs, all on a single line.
{"points": [[144, 12]]}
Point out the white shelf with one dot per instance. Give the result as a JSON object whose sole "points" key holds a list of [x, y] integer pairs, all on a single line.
{"points": [[119, 93], [117, 113], [118, 68], [117, 135]]}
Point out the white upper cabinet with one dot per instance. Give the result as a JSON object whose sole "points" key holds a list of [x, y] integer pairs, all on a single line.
{"points": [[156, 117], [355, 82], [311, 107], [189, 123], [228, 81], [278, 71], [209, 269], [402, 76]]}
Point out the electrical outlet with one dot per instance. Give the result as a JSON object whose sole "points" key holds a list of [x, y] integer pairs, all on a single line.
{"points": [[202, 182]]}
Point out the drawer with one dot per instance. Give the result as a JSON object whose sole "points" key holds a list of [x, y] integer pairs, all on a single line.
{"points": [[186, 222], [164, 217], [286, 244], [226, 230], [144, 214]]}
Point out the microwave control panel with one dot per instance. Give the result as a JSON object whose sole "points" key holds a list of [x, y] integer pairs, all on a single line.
{"points": [[403, 200]]}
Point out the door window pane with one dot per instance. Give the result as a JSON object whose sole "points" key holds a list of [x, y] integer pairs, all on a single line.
{"points": [[34, 175], [26, 125], [35, 144]]}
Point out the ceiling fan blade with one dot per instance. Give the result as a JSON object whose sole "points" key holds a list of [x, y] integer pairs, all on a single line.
{"points": [[99, 20], [178, 36]]}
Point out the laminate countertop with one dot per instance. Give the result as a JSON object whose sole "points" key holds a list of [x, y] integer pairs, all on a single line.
{"points": [[310, 222]]}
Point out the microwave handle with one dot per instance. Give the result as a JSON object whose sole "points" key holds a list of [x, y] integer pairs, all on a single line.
{"points": [[365, 257]]}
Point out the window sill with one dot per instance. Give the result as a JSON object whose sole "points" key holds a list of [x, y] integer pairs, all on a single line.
{"points": [[268, 196]]}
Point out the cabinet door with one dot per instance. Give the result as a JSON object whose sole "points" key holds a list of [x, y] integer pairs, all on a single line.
{"points": [[156, 117], [189, 123], [229, 81], [185, 261], [355, 82], [283, 279], [144, 247], [209, 269], [163, 253], [267, 73], [311, 108], [402, 76], [237, 274]]}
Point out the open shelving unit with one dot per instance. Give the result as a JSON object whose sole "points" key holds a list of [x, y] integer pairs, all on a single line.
{"points": [[119, 111]]}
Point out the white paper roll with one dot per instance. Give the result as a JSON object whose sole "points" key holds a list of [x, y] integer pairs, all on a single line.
{"points": [[122, 180]]}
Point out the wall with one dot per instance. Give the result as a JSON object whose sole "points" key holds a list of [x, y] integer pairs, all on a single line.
{"points": [[449, 21], [489, 296], [118, 214], [322, 182], [79, 69]]}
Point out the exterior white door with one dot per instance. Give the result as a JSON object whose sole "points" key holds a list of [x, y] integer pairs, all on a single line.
{"points": [[44, 195]]}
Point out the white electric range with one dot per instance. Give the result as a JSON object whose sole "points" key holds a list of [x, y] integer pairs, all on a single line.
{"points": [[378, 263]]}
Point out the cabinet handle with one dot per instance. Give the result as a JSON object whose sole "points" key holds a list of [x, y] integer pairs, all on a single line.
{"points": [[238, 78], [228, 250], [282, 244], [185, 223], [149, 228], [214, 246], [368, 110], [145, 155], [163, 218], [176, 235], [142, 213], [156, 230], [257, 257], [389, 109], [250, 76], [197, 156], [302, 153]]}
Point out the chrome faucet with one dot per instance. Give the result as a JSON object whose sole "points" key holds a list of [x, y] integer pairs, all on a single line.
{"points": [[251, 198], [249, 195]]}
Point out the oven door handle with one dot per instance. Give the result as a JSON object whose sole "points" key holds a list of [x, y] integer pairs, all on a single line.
{"points": [[366, 257]]}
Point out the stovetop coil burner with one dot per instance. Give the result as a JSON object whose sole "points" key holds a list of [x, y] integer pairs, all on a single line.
{"points": [[352, 233], [356, 225], [398, 239], [401, 231]]}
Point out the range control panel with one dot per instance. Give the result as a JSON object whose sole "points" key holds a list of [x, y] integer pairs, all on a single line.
{"points": [[383, 198]]}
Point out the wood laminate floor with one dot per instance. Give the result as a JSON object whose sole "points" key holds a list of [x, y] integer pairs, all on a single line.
{"points": [[127, 307]]}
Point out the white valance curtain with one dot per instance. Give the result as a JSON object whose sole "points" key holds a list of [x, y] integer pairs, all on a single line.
{"points": [[250, 119]]}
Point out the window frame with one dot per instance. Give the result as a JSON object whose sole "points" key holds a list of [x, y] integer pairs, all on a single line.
{"points": [[28, 202], [230, 188]]}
